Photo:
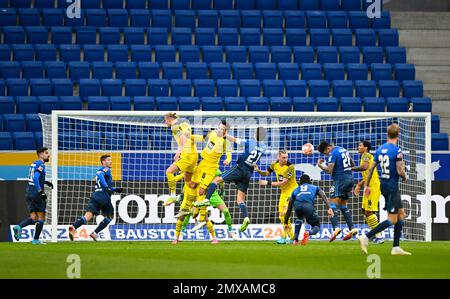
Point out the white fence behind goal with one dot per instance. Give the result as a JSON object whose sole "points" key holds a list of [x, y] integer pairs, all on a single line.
{"points": [[142, 148]]}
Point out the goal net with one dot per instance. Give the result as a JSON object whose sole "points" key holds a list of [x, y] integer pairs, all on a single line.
{"points": [[141, 147]]}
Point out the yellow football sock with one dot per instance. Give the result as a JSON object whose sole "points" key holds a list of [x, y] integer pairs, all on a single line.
{"points": [[172, 183], [178, 228], [202, 214], [284, 235], [372, 221], [210, 228]]}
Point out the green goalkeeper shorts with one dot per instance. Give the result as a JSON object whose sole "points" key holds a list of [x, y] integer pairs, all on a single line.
{"points": [[216, 200]]}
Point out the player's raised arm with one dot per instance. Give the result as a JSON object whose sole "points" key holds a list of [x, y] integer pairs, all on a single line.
{"points": [[325, 200], [264, 173]]}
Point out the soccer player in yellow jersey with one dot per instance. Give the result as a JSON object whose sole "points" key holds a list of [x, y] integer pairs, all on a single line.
{"points": [[285, 173], [370, 202]]}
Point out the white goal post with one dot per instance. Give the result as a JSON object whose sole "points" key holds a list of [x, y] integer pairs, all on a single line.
{"points": [[142, 148]]}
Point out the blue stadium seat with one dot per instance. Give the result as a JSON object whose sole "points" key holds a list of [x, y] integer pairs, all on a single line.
{"points": [[126, 70], [172, 70], [196, 70], [144, 103], [139, 18], [295, 37], [102, 70], [180, 4], [365, 88], [208, 19], [342, 37], [220, 70], [439, 141], [249, 88], [120, 103], [212, 54], [266, 4], [93, 53], [337, 19], [330, 5], [37, 35], [381, 71], [227, 88], [10, 69], [2, 88], [5, 52], [395, 55], [181, 36], [161, 18], [148, 70], [244, 4], [87, 4], [71, 22], [319, 88], [158, 4], [8, 17], [112, 4], [250, 37], [165, 53], [326, 54], [212, 103], [61, 35], [27, 104], [230, 19], [62, 87], [157, 36], [389, 88], [280, 104], [141, 53], [166, 104], [288, 71], [295, 88], [373, 104], [342, 88], [46, 105], [235, 104], [242, 70], [334, 71], [258, 103], [265, 71], [109, 35], [205, 36], [236, 54], [365, 38], [135, 87], [349, 55], [118, 17], [189, 54], [158, 87], [98, 103], [29, 17], [52, 17], [40, 87], [96, 17], [181, 88], [7, 105], [287, 5], [281, 54], [111, 87], [403, 71], [23, 141], [201, 4], [273, 88], [311, 71], [71, 103], [327, 104], [272, 19], [373, 55], [357, 71], [13, 35], [435, 123], [32, 69], [79, 70], [388, 37], [294, 18], [319, 37], [6, 143], [189, 103], [358, 19], [350, 5], [251, 18], [23, 52], [303, 104], [45, 52], [421, 104], [258, 54], [13, 123], [303, 55], [136, 4], [17, 87], [273, 37], [228, 36], [89, 87], [204, 88], [316, 19], [412, 89], [69, 53], [134, 36], [350, 104], [223, 4], [397, 104], [382, 23]]}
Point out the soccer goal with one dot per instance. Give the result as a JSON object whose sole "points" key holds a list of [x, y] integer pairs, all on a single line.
{"points": [[142, 148]]}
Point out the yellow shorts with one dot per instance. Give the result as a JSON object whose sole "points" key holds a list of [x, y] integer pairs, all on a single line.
{"points": [[284, 201], [187, 162], [370, 203], [204, 174]]}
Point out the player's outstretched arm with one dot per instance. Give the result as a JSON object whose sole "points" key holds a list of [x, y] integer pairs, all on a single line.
{"points": [[261, 172], [325, 200], [328, 168], [363, 167]]}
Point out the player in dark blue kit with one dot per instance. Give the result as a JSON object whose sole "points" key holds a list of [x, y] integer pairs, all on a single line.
{"points": [[35, 196], [100, 200], [340, 165], [389, 158], [302, 201], [241, 173]]}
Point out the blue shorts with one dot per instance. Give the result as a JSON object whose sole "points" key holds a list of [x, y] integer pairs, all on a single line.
{"points": [[306, 210], [393, 200], [100, 202], [342, 188], [34, 201], [240, 175]]}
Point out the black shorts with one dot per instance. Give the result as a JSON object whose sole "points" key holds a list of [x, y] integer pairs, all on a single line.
{"points": [[307, 211], [393, 200], [34, 201], [240, 175], [100, 202]]}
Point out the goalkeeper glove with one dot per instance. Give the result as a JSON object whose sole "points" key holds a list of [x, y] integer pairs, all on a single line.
{"points": [[42, 195], [48, 183], [118, 190]]}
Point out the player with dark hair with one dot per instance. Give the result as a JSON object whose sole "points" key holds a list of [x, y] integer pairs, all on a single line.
{"points": [[389, 158], [241, 173], [340, 165], [302, 201], [35, 196], [100, 200]]}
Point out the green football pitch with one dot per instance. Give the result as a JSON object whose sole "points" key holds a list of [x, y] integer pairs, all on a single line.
{"points": [[225, 260]]}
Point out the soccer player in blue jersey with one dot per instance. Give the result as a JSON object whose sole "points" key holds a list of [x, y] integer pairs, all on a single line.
{"points": [[35, 196], [389, 159], [340, 165], [302, 201], [241, 173], [100, 200]]}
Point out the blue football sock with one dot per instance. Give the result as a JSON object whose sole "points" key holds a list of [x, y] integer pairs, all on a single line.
{"points": [[39, 226], [334, 221], [298, 226], [26, 222], [397, 233], [81, 221], [347, 216], [211, 189], [314, 230], [102, 225], [379, 228], [244, 210]]}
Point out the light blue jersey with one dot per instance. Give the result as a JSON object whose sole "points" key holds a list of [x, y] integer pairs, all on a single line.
{"points": [[386, 158], [36, 175], [341, 159], [253, 152], [305, 193]]}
